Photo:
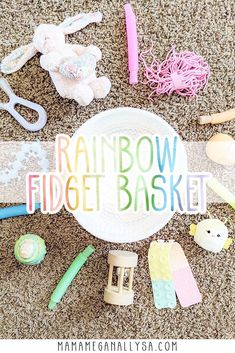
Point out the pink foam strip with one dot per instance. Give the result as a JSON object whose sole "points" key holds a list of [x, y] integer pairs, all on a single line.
{"points": [[186, 287]]}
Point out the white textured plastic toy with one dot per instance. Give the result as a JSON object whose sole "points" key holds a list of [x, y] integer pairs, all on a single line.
{"points": [[211, 234]]}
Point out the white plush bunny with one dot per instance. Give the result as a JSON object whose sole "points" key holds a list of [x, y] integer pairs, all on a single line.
{"points": [[72, 67]]}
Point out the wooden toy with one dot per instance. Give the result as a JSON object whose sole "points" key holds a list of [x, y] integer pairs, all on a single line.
{"points": [[217, 118], [221, 149], [120, 294]]}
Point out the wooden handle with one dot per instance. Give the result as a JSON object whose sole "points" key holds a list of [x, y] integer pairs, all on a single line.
{"points": [[217, 118]]}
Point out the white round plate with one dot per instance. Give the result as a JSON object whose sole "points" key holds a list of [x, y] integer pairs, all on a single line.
{"points": [[128, 226]]}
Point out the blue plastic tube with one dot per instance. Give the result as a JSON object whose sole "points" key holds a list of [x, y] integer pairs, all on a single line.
{"points": [[14, 211]]}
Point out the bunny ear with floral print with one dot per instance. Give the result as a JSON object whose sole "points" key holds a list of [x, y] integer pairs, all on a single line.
{"points": [[74, 24], [17, 58]]}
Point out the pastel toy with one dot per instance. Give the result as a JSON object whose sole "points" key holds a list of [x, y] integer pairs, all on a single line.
{"points": [[218, 117], [15, 100], [14, 211], [30, 249], [131, 31], [69, 276], [185, 284], [183, 73], [171, 275], [211, 234], [221, 149], [72, 67], [161, 277], [120, 294], [26, 151], [221, 191]]}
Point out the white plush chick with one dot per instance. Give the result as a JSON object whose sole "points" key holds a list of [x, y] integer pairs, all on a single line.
{"points": [[211, 235]]}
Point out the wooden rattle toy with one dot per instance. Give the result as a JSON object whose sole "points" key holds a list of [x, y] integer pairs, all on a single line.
{"points": [[221, 149], [217, 118], [125, 261]]}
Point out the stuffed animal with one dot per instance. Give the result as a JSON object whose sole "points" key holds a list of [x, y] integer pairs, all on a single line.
{"points": [[72, 67], [211, 234]]}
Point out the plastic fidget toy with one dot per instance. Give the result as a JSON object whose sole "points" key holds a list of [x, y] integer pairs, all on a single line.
{"points": [[170, 275]]}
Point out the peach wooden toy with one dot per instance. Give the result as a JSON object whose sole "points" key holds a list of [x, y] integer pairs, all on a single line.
{"points": [[120, 294], [217, 118], [221, 149]]}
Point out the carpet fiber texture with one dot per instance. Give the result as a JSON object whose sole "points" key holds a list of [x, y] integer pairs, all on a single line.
{"points": [[204, 26]]}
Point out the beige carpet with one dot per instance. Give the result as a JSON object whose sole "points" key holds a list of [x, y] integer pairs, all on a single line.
{"points": [[205, 26]]}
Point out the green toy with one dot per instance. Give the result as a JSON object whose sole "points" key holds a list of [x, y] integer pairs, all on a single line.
{"points": [[69, 275], [30, 249]]}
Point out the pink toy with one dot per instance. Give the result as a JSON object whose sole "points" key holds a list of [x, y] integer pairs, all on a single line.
{"points": [[184, 282], [170, 273], [132, 44], [184, 73], [72, 67]]}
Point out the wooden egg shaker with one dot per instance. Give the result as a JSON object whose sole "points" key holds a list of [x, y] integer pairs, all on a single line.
{"points": [[120, 294]]}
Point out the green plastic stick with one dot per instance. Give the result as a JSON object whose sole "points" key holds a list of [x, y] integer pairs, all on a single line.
{"points": [[222, 191], [69, 275]]}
